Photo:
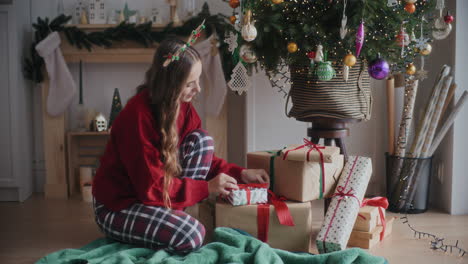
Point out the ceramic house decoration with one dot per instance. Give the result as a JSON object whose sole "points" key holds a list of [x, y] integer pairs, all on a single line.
{"points": [[100, 123], [79, 9], [97, 12]]}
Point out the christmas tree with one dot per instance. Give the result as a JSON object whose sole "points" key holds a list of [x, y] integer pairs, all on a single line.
{"points": [[291, 30], [116, 106]]}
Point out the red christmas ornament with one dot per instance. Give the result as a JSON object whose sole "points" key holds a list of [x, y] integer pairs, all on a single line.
{"points": [[234, 3], [448, 18], [410, 8], [311, 54]]}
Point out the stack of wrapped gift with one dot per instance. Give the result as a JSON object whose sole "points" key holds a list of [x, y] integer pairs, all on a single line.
{"points": [[298, 175], [345, 204], [371, 225]]}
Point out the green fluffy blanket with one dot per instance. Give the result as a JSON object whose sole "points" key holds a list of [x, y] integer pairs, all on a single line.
{"points": [[230, 246]]}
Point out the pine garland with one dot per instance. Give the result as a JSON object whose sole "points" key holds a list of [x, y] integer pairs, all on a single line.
{"points": [[141, 33]]}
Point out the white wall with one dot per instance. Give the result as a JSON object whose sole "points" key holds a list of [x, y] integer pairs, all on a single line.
{"points": [[459, 203]]}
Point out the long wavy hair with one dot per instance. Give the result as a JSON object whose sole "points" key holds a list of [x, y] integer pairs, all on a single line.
{"points": [[165, 85]]}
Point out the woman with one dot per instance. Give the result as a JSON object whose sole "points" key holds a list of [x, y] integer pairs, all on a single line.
{"points": [[158, 160]]}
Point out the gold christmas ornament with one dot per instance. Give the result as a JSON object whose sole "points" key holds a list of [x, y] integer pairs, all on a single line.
{"points": [[277, 2], [292, 47], [426, 49], [349, 60], [410, 69]]}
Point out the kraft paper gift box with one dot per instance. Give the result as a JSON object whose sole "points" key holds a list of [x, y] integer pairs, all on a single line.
{"points": [[204, 212], [298, 180], [292, 238], [367, 240], [345, 204], [368, 218]]}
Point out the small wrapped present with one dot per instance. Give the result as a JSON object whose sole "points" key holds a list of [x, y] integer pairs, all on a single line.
{"points": [[298, 180], [345, 204], [367, 240], [263, 222], [372, 212], [204, 212], [249, 194]]}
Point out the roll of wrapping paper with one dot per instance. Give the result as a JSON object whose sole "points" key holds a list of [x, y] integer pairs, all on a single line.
{"points": [[448, 123], [391, 114], [411, 183], [404, 170], [411, 90], [450, 95], [436, 117], [424, 123]]}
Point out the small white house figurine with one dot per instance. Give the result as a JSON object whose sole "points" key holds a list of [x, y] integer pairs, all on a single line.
{"points": [[79, 9], [97, 12], [100, 123]]}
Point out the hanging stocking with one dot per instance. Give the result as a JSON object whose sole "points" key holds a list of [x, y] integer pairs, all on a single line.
{"points": [[62, 87]]}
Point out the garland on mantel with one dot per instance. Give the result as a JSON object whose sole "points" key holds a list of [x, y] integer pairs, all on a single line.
{"points": [[140, 33]]}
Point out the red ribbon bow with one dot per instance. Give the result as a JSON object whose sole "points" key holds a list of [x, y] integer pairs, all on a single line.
{"points": [[381, 203], [340, 192]]}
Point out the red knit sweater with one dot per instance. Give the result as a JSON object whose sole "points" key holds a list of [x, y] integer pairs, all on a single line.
{"points": [[131, 169]]}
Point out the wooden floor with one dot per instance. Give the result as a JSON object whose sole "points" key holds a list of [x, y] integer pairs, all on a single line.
{"points": [[37, 227]]}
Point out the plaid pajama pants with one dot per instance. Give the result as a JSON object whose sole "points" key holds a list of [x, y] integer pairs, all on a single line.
{"points": [[158, 227]]}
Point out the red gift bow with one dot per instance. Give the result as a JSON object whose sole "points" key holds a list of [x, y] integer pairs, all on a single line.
{"points": [[249, 186], [381, 203], [312, 146], [263, 215]]}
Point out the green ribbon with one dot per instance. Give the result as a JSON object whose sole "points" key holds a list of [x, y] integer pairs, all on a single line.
{"points": [[272, 165]]}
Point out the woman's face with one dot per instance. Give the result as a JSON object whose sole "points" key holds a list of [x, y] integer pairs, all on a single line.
{"points": [[192, 86]]}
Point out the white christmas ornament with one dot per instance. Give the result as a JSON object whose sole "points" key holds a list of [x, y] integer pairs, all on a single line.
{"points": [[391, 3], [249, 32], [247, 54], [345, 72], [319, 54], [240, 81], [231, 40], [442, 29], [344, 20]]}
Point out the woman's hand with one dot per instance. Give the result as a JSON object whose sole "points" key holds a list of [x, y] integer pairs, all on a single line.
{"points": [[255, 176], [222, 184]]}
